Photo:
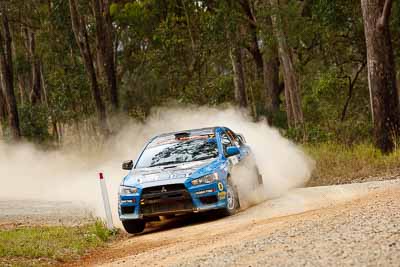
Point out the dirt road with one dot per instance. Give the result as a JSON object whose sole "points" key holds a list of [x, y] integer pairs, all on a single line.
{"points": [[39, 212], [357, 224]]}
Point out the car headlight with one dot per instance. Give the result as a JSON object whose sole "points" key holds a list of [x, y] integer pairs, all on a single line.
{"points": [[125, 190], [208, 179]]}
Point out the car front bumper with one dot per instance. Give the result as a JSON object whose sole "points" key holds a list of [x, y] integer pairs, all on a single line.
{"points": [[184, 200]]}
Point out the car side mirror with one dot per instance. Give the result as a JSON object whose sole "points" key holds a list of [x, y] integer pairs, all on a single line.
{"points": [[127, 165], [232, 151], [241, 138]]}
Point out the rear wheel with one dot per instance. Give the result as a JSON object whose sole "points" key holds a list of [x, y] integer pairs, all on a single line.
{"points": [[232, 200], [134, 226]]}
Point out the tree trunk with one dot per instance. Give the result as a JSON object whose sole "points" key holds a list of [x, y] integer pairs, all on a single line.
{"points": [[253, 47], [292, 90], [271, 75], [3, 112], [352, 82], [82, 40], [3, 107], [267, 70], [105, 47], [36, 90], [381, 73], [271, 85], [236, 55], [7, 75]]}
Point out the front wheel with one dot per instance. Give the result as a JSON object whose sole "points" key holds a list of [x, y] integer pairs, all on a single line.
{"points": [[232, 200], [134, 226]]}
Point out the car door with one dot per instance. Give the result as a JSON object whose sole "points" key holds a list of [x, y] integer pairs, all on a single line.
{"points": [[244, 149], [227, 142]]}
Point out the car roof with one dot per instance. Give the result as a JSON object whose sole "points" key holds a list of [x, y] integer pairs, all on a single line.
{"points": [[165, 137], [199, 131]]}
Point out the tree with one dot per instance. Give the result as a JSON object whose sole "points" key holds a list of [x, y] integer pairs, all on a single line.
{"points": [[3, 108], [381, 73], [36, 91], [292, 90], [82, 40], [267, 66], [236, 54], [7, 75], [105, 47]]}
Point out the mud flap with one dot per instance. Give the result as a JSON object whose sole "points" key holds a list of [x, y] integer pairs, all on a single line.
{"points": [[259, 177]]}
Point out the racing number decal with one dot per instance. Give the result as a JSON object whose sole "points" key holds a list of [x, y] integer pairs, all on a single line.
{"points": [[221, 194], [220, 186]]}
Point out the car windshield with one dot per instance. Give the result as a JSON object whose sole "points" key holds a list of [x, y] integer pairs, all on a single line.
{"points": [[178, 152]]}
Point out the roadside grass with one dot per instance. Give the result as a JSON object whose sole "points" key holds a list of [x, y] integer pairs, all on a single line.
{"points": [[50, 245], [339, 164]]}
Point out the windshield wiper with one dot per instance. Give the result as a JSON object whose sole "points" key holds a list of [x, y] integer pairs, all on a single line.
{"points": [[204, 158], [166, 163], [177, 162]]}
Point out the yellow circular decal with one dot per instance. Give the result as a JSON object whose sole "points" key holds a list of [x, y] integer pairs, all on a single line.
{"points": [[220, 186]]}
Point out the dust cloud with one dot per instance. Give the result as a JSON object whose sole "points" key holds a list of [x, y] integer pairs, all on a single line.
{"points": [[71, 173]]}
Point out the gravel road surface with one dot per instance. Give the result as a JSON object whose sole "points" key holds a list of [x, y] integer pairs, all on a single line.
{"points": [[35, 212], [346, 225]]}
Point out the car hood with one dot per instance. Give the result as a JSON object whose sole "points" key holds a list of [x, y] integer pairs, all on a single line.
{"points": [[168, 174]]}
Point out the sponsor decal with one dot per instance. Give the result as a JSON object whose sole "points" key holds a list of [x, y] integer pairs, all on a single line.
{"points": [[220, 186], [221, 195], [205, 191], [128, 201]]}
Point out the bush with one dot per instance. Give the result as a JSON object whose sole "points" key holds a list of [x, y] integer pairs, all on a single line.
{"points": [[47, 245], [338, 163], [34, 122]]}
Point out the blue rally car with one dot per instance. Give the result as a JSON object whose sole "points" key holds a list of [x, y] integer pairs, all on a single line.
{"points": [[182, 172]]}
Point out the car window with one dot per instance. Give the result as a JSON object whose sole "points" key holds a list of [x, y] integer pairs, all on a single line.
{"points": [[236, 140], [225, 140], [178, 152]]}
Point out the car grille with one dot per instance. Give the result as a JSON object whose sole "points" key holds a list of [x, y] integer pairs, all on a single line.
{"points": [[157, 189], [209, 200], [127, 209], [165, 199]]}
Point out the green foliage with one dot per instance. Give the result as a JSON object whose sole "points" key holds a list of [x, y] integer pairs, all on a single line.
{"points": [[69, 94], [49, 245], [100, 231], [337, 163], [180, 51], [161, 61], [34, 123]]}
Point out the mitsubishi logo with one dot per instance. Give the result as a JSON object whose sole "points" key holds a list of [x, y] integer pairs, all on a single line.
{"points": [[163, 189]]}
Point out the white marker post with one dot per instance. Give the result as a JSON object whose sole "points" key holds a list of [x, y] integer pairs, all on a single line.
{"points": [[106, 202]]}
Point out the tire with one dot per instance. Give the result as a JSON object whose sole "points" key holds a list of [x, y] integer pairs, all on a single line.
{"points": [[232, 199], [134, 226]]}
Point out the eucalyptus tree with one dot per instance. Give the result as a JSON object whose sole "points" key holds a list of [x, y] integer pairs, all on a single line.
{"points": [[381, 72], [7, 72], [292, 90], [82, 39]]}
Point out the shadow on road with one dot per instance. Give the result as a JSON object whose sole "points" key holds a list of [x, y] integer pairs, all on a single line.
{"points": [[181, 221]]}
